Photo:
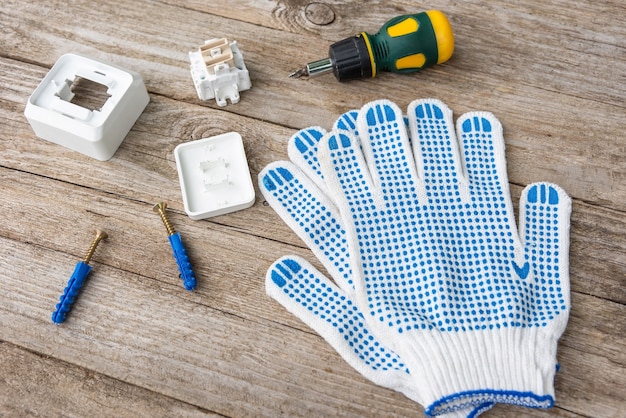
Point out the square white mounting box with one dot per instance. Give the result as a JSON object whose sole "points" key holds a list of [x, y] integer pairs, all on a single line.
{"points": [[214, 176], [94, 132]]}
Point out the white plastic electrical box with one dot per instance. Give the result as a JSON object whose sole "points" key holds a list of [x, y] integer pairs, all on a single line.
{"points": [[218, 71], [214, 176], [96, 132]]}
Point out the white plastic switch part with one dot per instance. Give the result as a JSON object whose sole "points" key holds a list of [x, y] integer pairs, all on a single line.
{"points": [[94, 132], [218, 71], [214, 176]]}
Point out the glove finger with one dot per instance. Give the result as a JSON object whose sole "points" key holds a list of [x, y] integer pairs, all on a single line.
{"points": [[302, 150], [386, 148], [544, 228], [311, 215], [347, 122], [347, 177], [309, 295], [303, 146], [436, 149], [482, 148]]}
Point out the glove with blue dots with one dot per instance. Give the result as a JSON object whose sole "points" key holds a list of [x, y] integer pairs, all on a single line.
{"points": [[473, 305], [302, 201]]}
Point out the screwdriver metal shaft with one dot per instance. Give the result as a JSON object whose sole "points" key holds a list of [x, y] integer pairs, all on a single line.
{"points": [[314, 68]]}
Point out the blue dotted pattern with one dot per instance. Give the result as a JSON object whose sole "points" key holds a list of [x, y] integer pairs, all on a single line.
{"points": [[542, 205], [347, 122], [447, 263], [323, 230], [306, 288], [306, 142]]}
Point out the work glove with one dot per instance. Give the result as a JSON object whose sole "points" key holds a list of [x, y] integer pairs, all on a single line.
{"points": [[303, 290], [473, 315], [472, 305]]}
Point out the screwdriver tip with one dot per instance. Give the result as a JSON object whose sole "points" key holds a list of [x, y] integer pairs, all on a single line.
{"points": [[299, 73]]}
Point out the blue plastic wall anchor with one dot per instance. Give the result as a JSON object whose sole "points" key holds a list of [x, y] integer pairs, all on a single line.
{"points": [[184, 265], [71, 291], [180, 253], [77, 280]]}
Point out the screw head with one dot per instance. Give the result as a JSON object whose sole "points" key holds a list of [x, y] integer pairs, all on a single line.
{"points": [[101, 235], [159, 207]]}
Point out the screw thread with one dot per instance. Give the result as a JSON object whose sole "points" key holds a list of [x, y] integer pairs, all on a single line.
{"points": [[100, 235], [160, 208]]}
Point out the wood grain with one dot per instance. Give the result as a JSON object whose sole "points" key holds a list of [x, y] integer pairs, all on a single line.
{"points": [[36, 383], [137, 344]]}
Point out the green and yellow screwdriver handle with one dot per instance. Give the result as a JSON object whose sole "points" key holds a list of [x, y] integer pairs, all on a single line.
{"points": [[404, 44]]}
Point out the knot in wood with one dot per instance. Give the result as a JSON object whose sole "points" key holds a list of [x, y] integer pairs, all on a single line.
{"points": [[319, 13]]}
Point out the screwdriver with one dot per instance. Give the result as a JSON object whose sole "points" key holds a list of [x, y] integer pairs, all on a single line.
{"points": [[404, 44]]}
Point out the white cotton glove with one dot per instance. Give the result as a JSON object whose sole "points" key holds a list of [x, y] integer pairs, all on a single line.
{"points": [[304, 291]]}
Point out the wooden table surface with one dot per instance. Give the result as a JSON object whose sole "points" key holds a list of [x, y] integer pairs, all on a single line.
{"points": [[138, 344]]}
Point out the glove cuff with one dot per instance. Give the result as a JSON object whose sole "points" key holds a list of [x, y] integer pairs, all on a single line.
{"points": [[459, 370]]}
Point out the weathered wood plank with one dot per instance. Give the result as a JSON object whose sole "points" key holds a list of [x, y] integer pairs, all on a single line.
{"points": [[143, 169], [554, 73], [90, 339], [137, 243], [557, 141], [137, 258], [156, 335], [480, 30], [205, 343], [35, 385], [603, 356]]}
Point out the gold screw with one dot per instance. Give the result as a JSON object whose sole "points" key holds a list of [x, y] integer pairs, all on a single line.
{"points": [[100, 235], [160, 208]]}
